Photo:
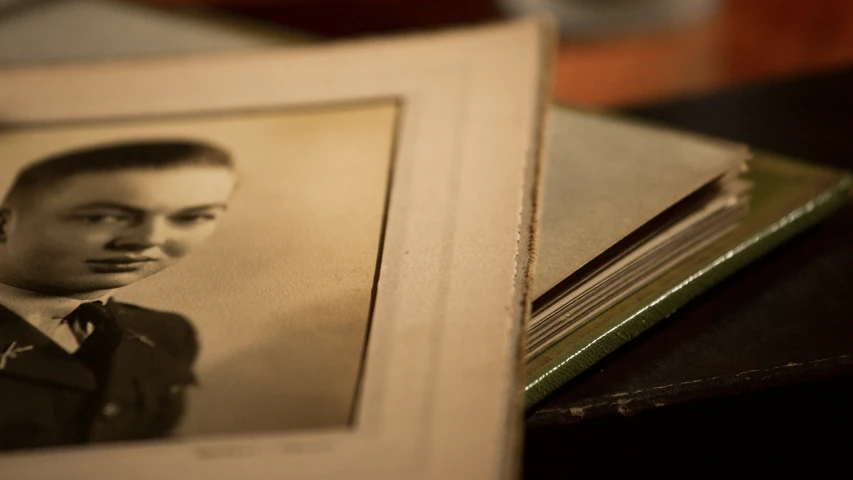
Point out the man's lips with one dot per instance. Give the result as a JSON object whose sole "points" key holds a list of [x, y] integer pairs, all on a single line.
{"points": [[122, 260], [119, 264]]}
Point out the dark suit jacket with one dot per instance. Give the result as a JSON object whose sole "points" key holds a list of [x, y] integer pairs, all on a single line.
{"points": [[49, 398]]}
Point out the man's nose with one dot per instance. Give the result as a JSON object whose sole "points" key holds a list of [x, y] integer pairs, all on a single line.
{"points": [[148, 233]]}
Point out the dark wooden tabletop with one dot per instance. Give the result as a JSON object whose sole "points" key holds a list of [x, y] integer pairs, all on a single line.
{"points": [[755, 375]]}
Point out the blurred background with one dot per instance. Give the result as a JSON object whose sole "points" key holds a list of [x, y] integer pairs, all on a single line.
{"points": [[613, 53]]}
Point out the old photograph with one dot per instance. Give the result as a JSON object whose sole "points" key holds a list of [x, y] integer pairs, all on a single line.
{"points": [[190, 275]]}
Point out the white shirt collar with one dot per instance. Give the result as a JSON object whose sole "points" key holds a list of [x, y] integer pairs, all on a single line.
{"points": [[45, 312]]}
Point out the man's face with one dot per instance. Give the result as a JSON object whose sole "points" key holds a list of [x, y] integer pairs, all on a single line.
{"points": [[104, 230]]}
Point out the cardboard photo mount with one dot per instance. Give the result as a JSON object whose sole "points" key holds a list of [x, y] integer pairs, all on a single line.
{"points": [[440, 392]]}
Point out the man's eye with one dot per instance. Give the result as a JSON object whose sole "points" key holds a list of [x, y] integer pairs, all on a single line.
{"points": [[193, 218], [102, 219]]}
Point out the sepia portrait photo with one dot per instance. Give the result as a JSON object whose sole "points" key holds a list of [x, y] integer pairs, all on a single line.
{"points": [[185, 276]]}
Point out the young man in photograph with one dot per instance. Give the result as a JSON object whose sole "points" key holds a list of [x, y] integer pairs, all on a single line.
{"points": [[77, 366]]}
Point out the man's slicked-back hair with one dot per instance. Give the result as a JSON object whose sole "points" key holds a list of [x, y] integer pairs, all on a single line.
{"points": [[131, 155]]}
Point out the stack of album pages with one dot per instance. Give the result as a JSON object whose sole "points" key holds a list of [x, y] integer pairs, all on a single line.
{"points": [[648, 200], [366, 244], [638, 219]]}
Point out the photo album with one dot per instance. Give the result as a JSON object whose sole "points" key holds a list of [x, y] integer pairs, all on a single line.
{"points": [[638, 219]]}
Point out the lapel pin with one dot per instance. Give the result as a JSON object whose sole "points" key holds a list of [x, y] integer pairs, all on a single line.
{"points": [[11, 353], [141, 338]]}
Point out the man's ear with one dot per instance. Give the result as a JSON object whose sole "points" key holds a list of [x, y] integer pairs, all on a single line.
{"points": [[5, 214]]}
